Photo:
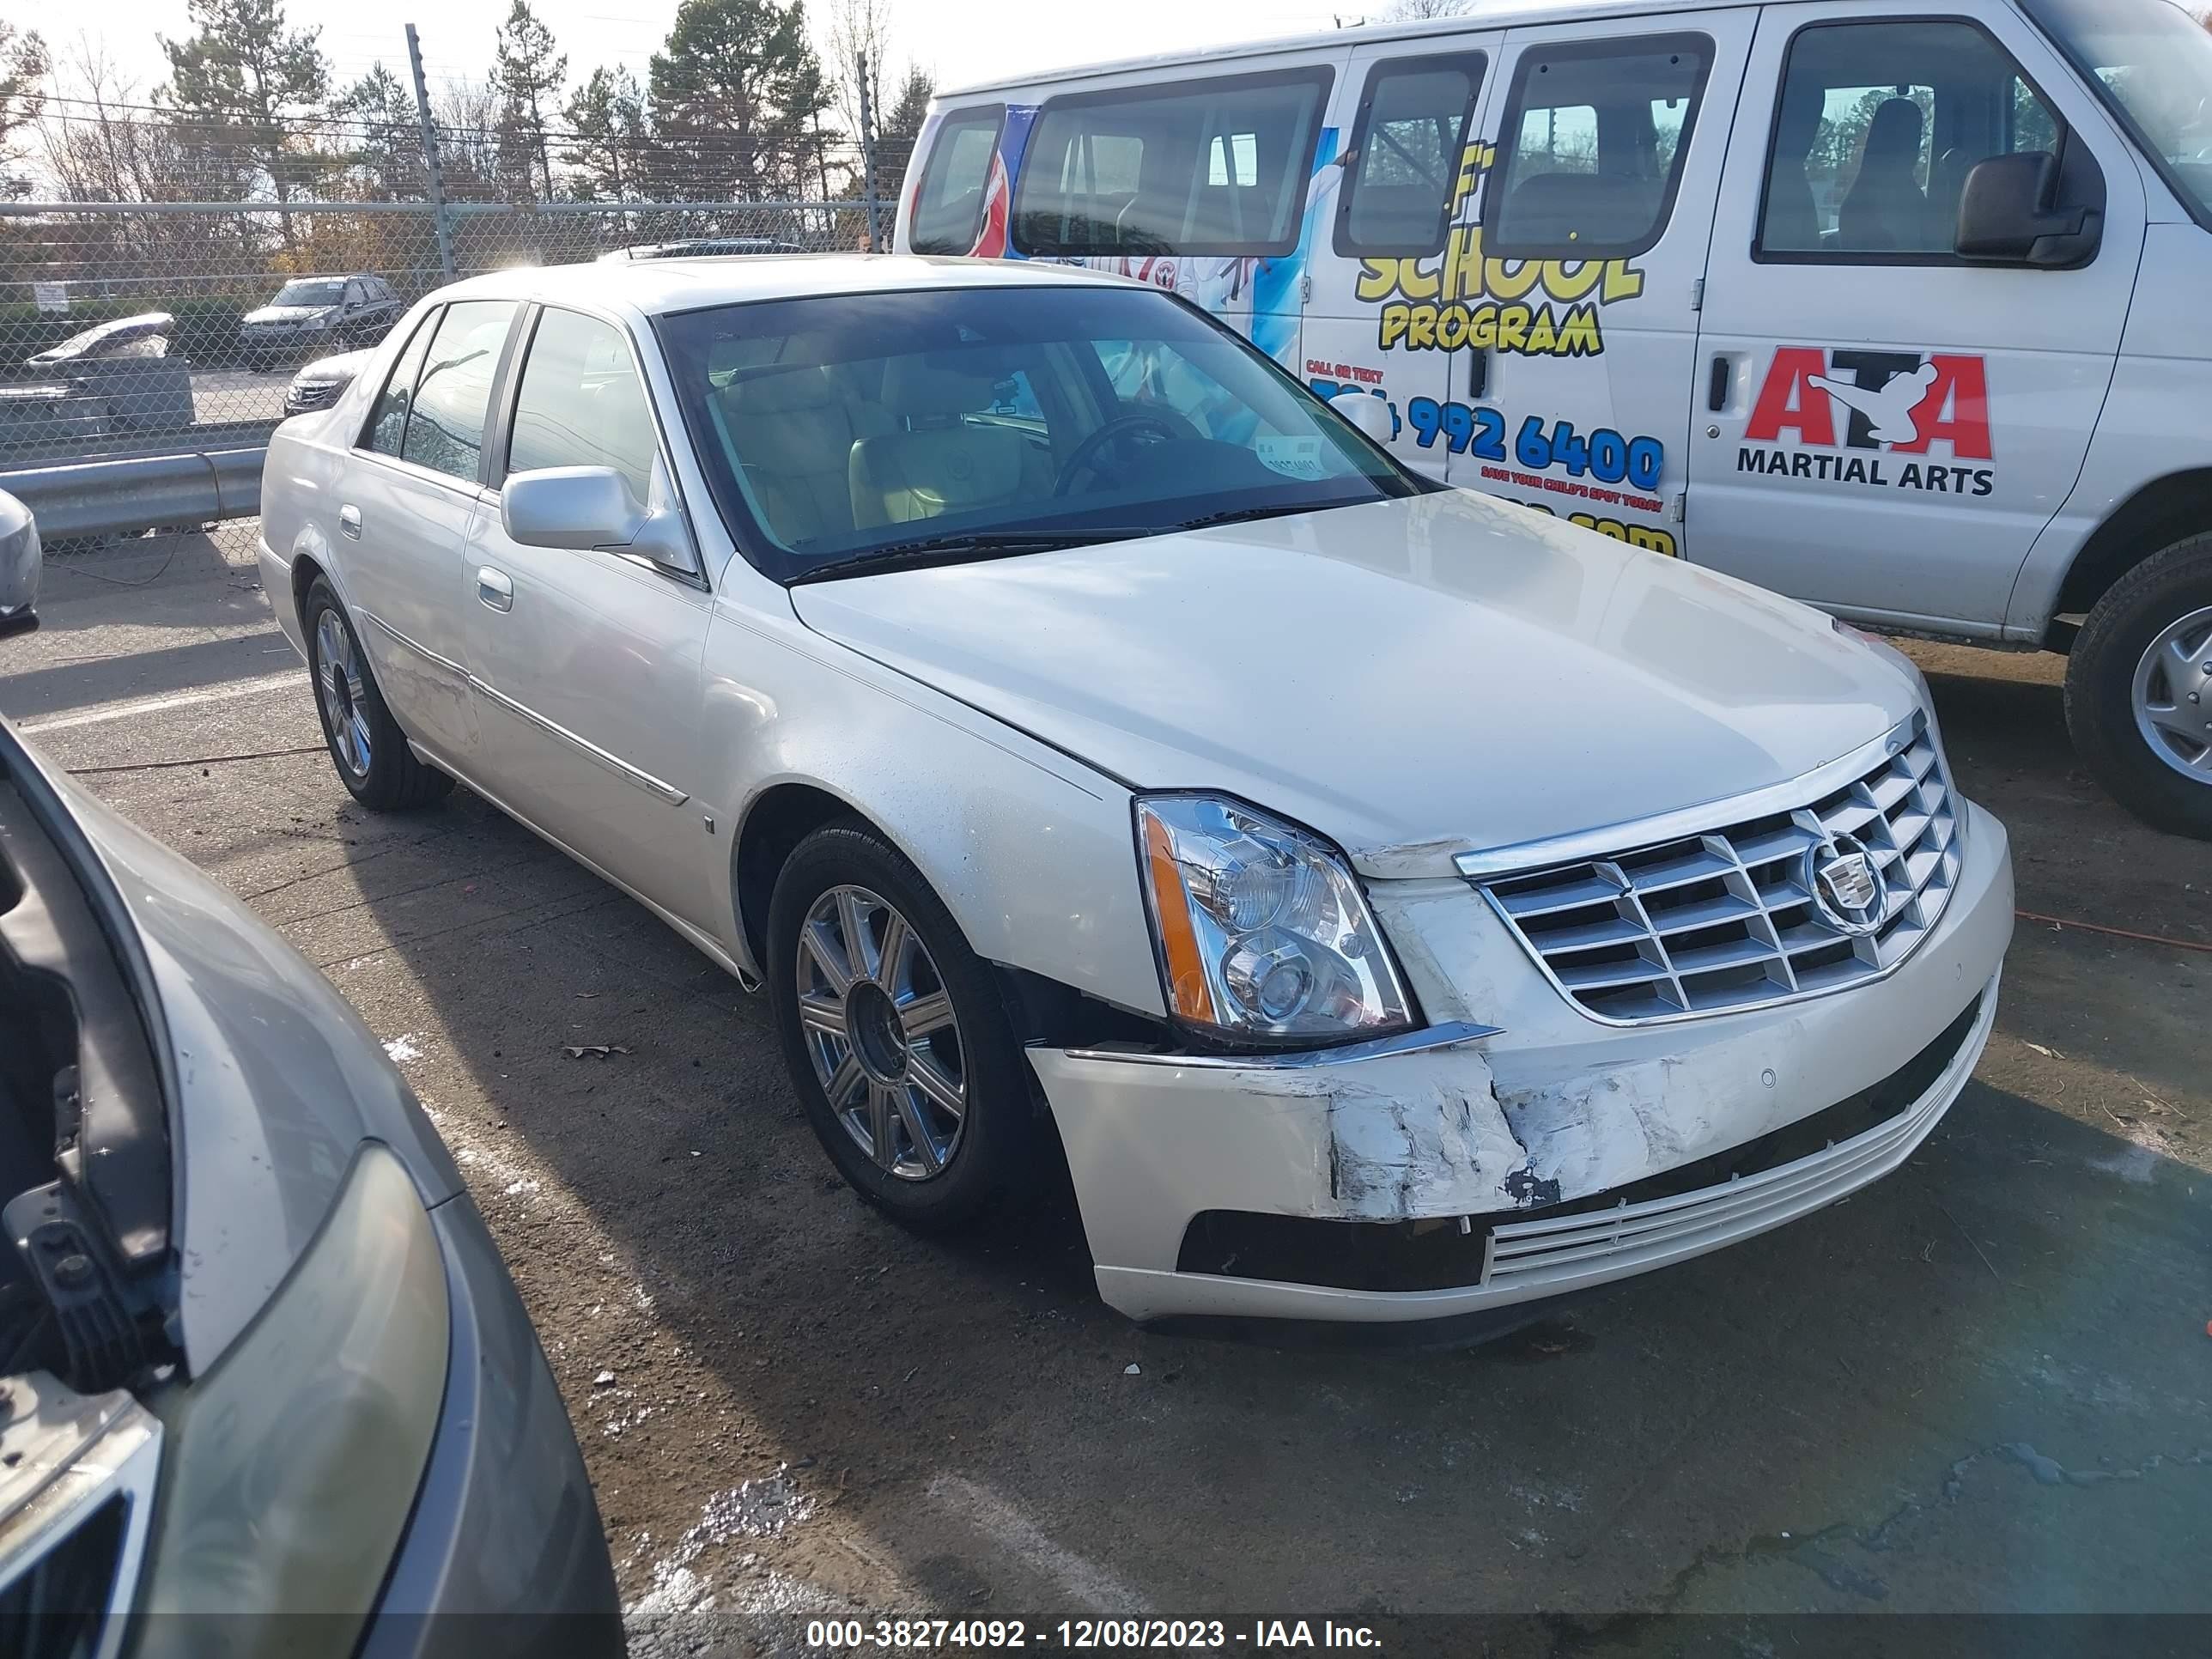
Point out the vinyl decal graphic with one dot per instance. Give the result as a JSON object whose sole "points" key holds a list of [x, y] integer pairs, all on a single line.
{"points": [[1844, 416], [1515, 307]]}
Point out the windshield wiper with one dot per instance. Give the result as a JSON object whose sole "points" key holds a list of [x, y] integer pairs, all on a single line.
{"points": [[1278, 510], [923, 551]]}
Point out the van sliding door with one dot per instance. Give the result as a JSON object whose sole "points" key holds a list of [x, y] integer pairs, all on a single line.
{"points": [[1383, 212]]}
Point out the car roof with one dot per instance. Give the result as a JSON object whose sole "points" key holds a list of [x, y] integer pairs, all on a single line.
{"points": [[1507, 13], [657, 286]]}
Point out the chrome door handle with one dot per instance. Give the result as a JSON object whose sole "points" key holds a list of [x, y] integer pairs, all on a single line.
{"points": [[349, 522], [493, 588]]}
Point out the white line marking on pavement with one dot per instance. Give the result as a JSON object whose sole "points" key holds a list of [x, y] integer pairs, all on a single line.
{"points": [[1005, 1525], [155, 705]]}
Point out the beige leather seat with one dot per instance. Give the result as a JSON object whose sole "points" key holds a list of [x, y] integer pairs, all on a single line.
{"points": [[938, 463], [793, 436]]}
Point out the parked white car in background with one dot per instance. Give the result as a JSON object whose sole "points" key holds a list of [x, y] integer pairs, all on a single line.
{"points": [[1401, 904], [1922, 282]]}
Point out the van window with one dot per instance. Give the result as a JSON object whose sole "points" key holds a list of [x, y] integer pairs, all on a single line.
{"points": [[1404, 160], [1199, 167], [948, 206], [1593, 142], [1877, 127], [2151, 63]]}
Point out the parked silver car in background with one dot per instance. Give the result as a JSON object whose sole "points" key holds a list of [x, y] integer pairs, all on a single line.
{"points": [[259, 1354], [21, 560], [1404, 904], [318, 384]]}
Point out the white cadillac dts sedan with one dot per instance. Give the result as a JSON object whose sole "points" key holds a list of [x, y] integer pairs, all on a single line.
{"points": [[1401, 905]]}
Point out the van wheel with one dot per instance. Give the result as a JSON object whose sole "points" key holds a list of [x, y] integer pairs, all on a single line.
{"points": [[894, 1034], [2139, 689], [366, 744]]}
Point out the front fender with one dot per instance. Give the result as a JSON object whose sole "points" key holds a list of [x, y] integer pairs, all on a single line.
{"points": [[1030, 850]]}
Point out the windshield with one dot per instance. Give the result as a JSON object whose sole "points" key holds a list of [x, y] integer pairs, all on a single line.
{"points": [[2153, 61], [972, 423], [321, 291]]}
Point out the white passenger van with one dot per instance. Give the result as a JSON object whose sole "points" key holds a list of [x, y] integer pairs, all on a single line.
{"points": [[1903, 309]]}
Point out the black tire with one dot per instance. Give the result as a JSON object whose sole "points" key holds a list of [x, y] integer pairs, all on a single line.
{"points": [[393, 780], [994, 1157], [2100, 681]]}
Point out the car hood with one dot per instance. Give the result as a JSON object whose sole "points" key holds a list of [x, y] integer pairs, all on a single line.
{"points": [[278, 1081], [286, 313], [1412, 679], [336, 369]]}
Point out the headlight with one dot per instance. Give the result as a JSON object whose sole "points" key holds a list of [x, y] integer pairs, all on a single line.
{"points": [[293, 1463], [1261, 930]]}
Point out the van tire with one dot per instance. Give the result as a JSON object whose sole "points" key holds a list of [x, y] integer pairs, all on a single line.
{"points": [[2102, 679]]}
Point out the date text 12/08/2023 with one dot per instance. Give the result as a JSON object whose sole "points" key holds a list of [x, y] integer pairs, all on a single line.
{"points": [[835, 1635]]}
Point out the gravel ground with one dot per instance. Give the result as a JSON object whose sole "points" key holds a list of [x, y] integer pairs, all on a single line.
{"points": [[1981, 1385]]}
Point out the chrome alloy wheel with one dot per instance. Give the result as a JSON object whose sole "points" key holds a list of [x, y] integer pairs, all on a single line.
{"points": [[2173, 697], [880, 1029], [339, 684]]}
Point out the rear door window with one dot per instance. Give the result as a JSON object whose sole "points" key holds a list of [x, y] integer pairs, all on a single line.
{"points": [[452, 394], [948, 205], [1592, 145], [387, 422], [1211, 168], [1406, 143]]}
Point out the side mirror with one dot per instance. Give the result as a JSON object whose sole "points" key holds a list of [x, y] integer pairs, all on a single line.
{"points": [[2007, 215], [1365, 411], [582, 507]]}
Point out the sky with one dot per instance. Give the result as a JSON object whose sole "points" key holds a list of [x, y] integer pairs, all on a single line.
{"points": [[958, 41]]}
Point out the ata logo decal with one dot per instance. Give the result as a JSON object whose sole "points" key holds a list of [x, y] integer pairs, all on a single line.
{"points": [[1890, 403]]}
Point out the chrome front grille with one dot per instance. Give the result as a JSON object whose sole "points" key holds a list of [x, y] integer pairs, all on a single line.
{"points": [[306, 395], [1729, 918]]}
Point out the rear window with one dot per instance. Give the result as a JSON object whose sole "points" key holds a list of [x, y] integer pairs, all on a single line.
{"points": [[948, 203], [1405, 159], [1199, 167], [1592, 146]]}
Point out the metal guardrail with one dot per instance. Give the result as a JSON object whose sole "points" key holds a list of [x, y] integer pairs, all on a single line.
{"points": [[100, 498]]}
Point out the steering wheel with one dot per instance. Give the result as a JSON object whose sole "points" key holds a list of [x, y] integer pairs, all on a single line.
{"points": [[1086, 452]]}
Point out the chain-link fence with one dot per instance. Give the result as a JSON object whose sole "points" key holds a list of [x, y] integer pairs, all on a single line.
{"points": [[165, 283]]}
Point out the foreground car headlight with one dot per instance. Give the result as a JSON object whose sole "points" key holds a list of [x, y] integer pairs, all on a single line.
{"points": [[293, 1463], [1261, 931]]}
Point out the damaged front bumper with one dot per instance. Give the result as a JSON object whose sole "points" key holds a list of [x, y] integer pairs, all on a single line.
{"points": [[1414, 1181]]}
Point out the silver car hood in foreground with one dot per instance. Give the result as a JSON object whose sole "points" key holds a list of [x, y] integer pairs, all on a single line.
{"points": [[1412, 678], [278, 1082]]}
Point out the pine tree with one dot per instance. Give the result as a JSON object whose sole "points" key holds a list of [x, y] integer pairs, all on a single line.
{"points": [[607, 135], [527, 73], [899, 126], [239, 86], [379, 134], [735, 93]]}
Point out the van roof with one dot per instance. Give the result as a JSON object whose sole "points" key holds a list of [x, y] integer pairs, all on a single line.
{"points": [[1508, 14]]}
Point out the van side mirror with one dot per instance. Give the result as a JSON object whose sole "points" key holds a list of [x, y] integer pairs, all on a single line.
{"points": [[581, 507], [1365, 411], [2008, 215]]}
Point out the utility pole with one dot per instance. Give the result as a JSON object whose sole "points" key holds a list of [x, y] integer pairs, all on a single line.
{"points": [[430, 156], [868, 154]]}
